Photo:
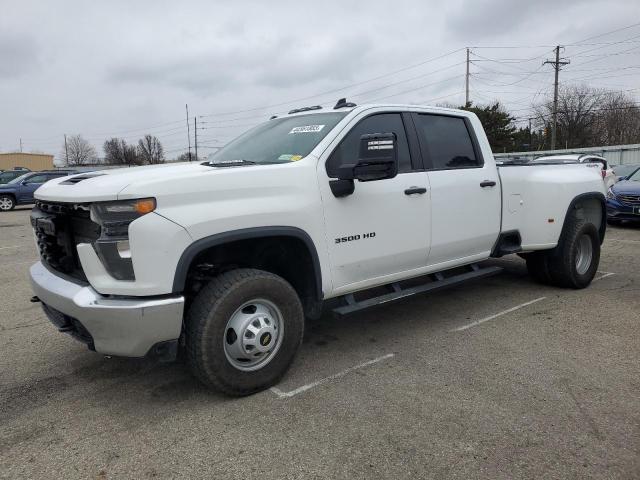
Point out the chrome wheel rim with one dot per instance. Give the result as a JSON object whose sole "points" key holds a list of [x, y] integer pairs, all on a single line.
{"points": [[253, 335], [584, 254], [5, 203]]}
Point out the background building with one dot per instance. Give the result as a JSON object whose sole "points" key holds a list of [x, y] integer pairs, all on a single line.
{"points": [[32, 161]]}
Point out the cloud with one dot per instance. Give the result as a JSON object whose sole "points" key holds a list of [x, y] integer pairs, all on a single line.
{"points": [[233, 64], [18, 54], [480, 19], [102, 68]]}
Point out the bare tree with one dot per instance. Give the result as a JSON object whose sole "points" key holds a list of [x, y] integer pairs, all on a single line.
{"points": [[78, 151], [150, 150], [118, 152], [577, 106], [618, 121], [590, 117]]}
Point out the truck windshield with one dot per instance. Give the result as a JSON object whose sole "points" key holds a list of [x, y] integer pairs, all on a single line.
{"points": [[280, 140]]}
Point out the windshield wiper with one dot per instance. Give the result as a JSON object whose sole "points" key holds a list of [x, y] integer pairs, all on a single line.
{"points": [[231, 163]]}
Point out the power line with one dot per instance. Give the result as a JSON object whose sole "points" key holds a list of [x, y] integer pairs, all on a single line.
{"points": [[602, 34], [410, 67]]}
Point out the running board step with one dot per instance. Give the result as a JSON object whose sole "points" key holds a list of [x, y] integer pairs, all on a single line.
{"points": [[438, 281]]}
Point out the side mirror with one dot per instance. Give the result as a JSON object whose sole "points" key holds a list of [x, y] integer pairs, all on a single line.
{"points": [[377, 159], [621, 178]]}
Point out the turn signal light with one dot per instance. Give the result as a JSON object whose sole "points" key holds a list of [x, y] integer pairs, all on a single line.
{"points": [[145, 205]]}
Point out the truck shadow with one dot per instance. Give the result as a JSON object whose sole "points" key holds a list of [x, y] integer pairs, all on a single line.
{"points": [[139, 386]]}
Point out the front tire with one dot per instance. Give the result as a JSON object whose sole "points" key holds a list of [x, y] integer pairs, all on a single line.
{"points": [[243, 331], [7, 203]]}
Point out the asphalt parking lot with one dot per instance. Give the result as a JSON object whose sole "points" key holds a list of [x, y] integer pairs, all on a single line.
{"points": [[502, 378]]}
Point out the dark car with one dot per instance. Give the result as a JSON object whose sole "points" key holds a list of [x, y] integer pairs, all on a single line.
{"points": [[8, 175], [20, 190], [623, 199]]}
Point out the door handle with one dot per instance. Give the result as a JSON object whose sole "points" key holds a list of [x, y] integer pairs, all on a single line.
{"points": [[414, 190], [487, 183]]}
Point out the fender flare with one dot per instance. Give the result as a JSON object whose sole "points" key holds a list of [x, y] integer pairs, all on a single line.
{"points": [[192, 251], [585, 196]]}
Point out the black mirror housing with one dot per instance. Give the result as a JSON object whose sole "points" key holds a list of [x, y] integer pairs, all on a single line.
{"points": [[377, 159]]}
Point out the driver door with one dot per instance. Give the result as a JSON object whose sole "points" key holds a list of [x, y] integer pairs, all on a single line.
{"points": [[383, 227]]}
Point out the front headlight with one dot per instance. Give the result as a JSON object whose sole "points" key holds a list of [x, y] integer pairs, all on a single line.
{"points": [[114, 219], [610, 194]]}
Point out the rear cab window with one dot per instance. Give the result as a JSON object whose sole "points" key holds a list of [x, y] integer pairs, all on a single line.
{"points": [[446, 142]]}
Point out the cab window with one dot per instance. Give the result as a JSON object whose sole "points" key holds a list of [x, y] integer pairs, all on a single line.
{"points": [[348, 149], [446, 142]]}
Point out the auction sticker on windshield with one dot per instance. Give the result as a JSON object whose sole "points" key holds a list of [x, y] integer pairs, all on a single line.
{"points": [[307, 129]]}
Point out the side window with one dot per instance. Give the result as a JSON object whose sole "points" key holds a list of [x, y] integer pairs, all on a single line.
{"points": [[447, 142], [348, 149], [38, 178]]}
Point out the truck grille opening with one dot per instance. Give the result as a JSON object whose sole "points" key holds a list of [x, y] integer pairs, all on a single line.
{"points": [[58, 228]]}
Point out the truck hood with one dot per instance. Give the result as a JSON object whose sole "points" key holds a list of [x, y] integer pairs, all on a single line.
{"points": [[104, 185]]}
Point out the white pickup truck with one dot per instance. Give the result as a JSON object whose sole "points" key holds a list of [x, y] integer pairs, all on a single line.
{"points": [[225, 258]]}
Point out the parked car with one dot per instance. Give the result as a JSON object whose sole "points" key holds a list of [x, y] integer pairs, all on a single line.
{"points": [[608, 176], [20, 190], [226, 258], [623, 199], [7, 175]]}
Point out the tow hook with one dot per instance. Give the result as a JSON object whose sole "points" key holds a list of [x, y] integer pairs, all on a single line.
{"points": [[35, 299]]}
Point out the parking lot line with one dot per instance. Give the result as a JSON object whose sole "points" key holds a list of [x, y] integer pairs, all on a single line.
{"points": [[496, 315], [311, 385], [11, 246], [622, 240], [604, 275], [21, 263]]}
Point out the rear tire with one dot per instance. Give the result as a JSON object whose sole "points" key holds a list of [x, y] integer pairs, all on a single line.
{"points": [[538, 266], [7, 203], [575, 260], [243, 331]]}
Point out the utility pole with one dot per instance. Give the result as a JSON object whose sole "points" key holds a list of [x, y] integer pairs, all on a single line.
{"points": [[195, 132], [466, 101], [188, 132], [530, 135], [66, 151], [20, 144], [557, 65]]}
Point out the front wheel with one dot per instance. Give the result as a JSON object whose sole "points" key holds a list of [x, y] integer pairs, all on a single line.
{"points": [[243, 331], [7, 203]]}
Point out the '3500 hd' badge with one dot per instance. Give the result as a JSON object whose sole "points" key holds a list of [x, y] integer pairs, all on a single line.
{"points": [[353, 238]]}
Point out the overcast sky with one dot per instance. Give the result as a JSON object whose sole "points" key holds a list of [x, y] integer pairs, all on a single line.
{"points": [[115, 68]]}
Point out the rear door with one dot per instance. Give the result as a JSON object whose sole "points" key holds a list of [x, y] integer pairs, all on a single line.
{"points": [[465, 190], [383, 227]]}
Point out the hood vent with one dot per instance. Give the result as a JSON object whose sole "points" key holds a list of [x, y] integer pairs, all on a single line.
{"points": [[78, 178]]}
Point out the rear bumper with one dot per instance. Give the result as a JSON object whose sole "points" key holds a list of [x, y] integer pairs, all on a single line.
{"points": [[120, 326]]}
